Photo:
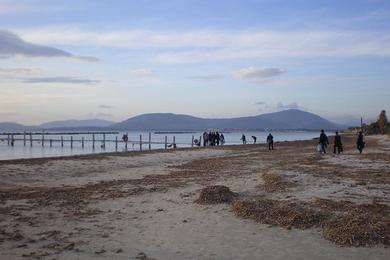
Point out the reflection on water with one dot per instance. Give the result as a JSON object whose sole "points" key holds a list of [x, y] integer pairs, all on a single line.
{"points": [[157, 142]]}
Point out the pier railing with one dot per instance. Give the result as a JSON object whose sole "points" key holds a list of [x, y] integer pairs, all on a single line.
{"points": [[46, 139]]}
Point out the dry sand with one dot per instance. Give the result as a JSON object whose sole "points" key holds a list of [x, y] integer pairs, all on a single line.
{"points": [[142, 205]]}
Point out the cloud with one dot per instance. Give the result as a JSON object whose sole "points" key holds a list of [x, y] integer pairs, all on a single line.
{"points": [[105, 106], [257, 73], [280, 106], [141, 72], [12, 45], [204, 45], [65, 80], [7, 72], [265, 107]]}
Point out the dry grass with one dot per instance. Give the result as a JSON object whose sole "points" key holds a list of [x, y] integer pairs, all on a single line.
{"points": [[285, 214], [275, 182], [361, 229], [215, 195], [343, 223]]}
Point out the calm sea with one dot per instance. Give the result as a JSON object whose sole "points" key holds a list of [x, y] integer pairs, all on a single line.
{"points": [[158, 141]]}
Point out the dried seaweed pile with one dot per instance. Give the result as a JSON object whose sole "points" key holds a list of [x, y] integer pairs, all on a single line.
{"points": [[215, 195], [360, 225], [343, 223], [285, 214], [275, 182]]}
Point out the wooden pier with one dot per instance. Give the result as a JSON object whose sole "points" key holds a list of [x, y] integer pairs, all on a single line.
{"points": [[51, 139]]}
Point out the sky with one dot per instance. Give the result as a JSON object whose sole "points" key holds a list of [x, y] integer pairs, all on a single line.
{"points": [[214, 59]]}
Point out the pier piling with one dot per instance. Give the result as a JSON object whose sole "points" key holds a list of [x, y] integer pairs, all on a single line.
{"points": [[150, 141]]}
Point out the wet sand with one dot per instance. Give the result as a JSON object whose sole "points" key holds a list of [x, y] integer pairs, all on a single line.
{"points": [[141, 205]]}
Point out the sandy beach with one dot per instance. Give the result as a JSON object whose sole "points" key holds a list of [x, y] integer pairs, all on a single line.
{"points": [[142, 205]]}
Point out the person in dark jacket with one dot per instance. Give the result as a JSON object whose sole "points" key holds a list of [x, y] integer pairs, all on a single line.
{"points": [[254, 139], [337, 145], [323, 141], [243, 139], [270, 141], [360, 142]]}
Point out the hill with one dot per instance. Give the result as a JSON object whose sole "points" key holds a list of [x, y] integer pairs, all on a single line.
{"points": [[10, 126], [88, 123], [291, 119]]}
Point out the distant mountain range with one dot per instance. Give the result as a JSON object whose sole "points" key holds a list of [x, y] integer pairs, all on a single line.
{"points": [[288, 119], [76, 123], [88, 124], [291, 119]]}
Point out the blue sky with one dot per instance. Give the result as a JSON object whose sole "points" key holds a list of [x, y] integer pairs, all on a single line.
{"points": [[116, 59]]}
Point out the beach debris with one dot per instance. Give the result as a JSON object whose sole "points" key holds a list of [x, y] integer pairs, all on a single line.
{"points": [[101, 251], [357, 228], [285, 214], [215, 195], [275, 182], [143, 256], [118, 251], [342, 222]]}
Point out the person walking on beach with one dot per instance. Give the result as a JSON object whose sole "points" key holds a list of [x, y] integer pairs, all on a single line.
{"points": [[360, 142], [254, 139], [205, 138], [222, 139], [323, 141], [270, 142], [217, 138], [243, 139], [337, 145]]}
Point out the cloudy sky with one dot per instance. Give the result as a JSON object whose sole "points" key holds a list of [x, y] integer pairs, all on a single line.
{"points": [[221, 58]]}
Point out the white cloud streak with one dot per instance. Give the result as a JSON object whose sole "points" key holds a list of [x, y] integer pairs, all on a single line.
{"points": [[61, 80], [10, 72], [257, 73], [215, 45]]}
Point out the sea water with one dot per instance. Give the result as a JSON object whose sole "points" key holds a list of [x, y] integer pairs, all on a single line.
{"points": [[182, 140]]}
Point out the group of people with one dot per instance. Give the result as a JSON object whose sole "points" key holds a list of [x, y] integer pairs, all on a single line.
{"points": [[337, 144], [270, 140], [213, 138]]}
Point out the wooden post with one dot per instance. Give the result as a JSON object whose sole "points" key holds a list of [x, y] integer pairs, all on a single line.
{"points": [[12, 140], [82, 142], [51, 143], [62, 141], [71, 141], [166, 142], [150, 141], [116, 143], [93, 141], [140, 142], [24, 138], [104, 140], [192, 142], [8, 139], [43, 139], [31, 140], [174, 142]]}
